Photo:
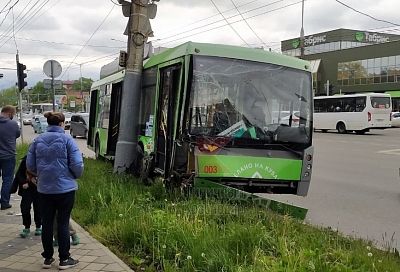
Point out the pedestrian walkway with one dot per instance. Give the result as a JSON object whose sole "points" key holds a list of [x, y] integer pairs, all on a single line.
{"points": [[19, 254]]}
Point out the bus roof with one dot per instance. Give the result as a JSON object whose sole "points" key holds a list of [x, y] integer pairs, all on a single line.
{"points": [[353, 95], [217, 50], [227, 51]]}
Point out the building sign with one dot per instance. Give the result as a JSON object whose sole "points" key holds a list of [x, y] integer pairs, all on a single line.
{"points": [[371, 37], [309, 41]]}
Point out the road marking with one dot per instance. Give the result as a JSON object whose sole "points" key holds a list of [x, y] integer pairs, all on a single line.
{"points": [[390, 152]]}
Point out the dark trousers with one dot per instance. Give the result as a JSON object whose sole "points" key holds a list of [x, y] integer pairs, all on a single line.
{"points": [[29, 197], [62, 205], [7, 174]]}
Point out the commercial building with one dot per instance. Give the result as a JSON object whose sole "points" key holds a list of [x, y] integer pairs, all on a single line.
{"points": [[351, 61]]}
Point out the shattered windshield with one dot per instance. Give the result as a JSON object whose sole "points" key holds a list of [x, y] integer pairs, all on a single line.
{"points": [[250, 100]]}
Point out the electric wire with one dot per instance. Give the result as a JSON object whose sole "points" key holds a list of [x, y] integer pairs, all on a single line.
{"points": [[234, 30], [209, 17], [247, 23], [215, 22], [91, 36], [26, 22], [21, 21], [365, 14], [217, 27], [1, 11]]}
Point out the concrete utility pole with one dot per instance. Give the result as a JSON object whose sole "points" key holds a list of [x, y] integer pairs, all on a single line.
{"points": [[138, 30]]}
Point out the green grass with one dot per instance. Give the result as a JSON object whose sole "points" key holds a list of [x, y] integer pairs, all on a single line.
{"points": [[150, 230]]}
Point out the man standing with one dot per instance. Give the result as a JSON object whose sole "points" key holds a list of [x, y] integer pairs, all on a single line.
{"points": [[9, 132]]}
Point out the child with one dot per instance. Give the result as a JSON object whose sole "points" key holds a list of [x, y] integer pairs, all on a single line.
{"points": [[26, 184], [72, 233]]}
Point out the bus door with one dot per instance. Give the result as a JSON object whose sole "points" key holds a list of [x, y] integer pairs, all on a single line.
{"points": [[92, 116], [115, 113], [168, 93]]}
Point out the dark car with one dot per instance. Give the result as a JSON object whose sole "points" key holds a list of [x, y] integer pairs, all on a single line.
{"points": [[79, 125]]}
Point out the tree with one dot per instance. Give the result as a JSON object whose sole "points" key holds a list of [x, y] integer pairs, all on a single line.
{"points": [[86, 84], [39, 93], [9, 96]]}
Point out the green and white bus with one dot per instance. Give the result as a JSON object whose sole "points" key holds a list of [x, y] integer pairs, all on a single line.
{"points": [[216, 114]]}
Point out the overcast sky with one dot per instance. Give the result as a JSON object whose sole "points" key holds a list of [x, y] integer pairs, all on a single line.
{"points": [[58, 29]]}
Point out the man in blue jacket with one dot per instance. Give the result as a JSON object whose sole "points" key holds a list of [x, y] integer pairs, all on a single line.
{"points": [[57, 162], [9, 132]]}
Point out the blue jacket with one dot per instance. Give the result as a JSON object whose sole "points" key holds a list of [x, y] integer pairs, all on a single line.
{"points": [[9, 132], [57, 161]]}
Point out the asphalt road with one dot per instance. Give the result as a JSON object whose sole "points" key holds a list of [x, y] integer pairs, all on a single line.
{"points": [[29, 135], [355, 185]]}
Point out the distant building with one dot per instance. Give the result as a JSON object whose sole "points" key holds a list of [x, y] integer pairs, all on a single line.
{"points": [[352, 61]]}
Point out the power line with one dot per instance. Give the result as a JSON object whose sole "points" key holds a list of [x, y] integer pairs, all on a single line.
{"points": [[217, 27], [63, 43], [241, 15], [91, 36], [15, 42], [27, 21], [9, 29], [365, 14], [213, 23], [1, 11], [234, 30], [209, 17]]}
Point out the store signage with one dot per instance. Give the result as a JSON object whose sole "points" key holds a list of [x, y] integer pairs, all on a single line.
{"points": [[371, 37], [309, 41], [313, 40]]}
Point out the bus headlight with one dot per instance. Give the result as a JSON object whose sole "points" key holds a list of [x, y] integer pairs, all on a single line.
{"points": [[306, 174]]}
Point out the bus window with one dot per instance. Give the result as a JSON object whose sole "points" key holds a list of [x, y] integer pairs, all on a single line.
{"points": [[380, 102]]}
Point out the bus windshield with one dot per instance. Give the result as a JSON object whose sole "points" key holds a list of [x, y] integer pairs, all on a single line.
{"points": [[247, 100]]}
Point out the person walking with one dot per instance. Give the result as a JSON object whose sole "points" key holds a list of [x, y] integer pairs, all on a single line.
{"points": [[56, 160], [9, 132], [26, 184]]}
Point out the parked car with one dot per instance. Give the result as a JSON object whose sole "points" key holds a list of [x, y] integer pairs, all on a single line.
{"points": [[395, 119], [26, 119], [39, 124], [67, 120], [79, 125]]}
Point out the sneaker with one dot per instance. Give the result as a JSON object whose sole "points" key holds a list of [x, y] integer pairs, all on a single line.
{"points": [[47, 263], [38, 231], [75, 239], [5, 206], [55, 243], [68, 263], [25, 233]]}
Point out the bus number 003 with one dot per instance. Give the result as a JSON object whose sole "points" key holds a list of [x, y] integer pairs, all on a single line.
{"points": [[210, 169]]}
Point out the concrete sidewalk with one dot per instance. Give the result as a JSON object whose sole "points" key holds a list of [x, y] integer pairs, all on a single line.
{"points": [[19, 254]]}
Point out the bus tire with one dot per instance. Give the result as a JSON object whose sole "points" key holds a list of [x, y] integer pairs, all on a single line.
{"points": [[341, 128], [97, 148], [72, 133]]}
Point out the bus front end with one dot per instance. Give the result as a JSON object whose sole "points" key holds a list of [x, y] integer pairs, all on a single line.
{"points": [[252, 125]]}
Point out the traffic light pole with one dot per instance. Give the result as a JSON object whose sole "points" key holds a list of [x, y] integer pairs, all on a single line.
{"points": [[126, 150], [19, 97]]}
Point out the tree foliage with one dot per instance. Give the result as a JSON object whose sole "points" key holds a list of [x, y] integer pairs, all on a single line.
{"points": [[86, 83], [9, 96]]}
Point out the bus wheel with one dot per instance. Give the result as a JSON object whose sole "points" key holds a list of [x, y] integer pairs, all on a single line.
{"points": [[97, 148], [341, 128], [72, 133]]}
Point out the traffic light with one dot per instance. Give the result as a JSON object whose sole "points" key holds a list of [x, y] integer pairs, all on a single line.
{"points": [[21, 76]]}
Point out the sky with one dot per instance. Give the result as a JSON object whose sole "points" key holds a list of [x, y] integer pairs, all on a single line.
{"points": [[84, 35]]}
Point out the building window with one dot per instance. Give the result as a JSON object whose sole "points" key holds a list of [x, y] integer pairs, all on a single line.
{"points": [[369, 71]]}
